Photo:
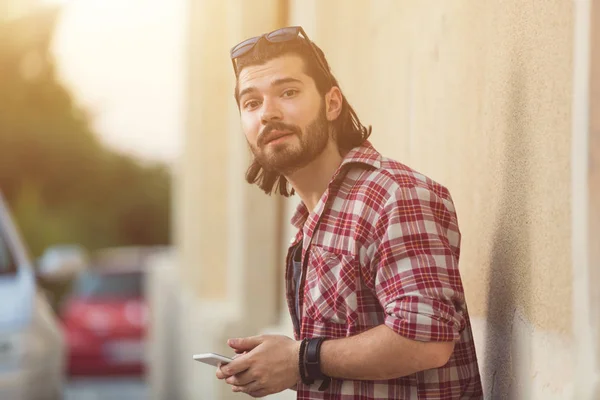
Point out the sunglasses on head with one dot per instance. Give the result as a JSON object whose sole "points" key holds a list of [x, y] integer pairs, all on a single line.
{"points": [[277, 36]]}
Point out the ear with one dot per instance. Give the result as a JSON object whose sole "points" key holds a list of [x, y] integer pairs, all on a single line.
{"points": [[333, 103]]}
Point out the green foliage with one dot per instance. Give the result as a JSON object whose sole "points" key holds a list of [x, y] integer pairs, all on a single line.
{"points": [[63, 185]]}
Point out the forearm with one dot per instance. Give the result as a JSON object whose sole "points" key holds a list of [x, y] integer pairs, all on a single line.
{"points": [[379, 354]]}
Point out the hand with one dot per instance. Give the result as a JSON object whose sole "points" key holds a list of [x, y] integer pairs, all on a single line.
{"points": [[269, 365]]}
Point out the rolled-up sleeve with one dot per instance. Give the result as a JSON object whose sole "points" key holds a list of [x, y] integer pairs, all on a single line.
{"points": [[415, 256]]}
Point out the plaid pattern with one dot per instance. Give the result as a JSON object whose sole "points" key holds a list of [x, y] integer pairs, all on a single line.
{"points": [[382, 247]]}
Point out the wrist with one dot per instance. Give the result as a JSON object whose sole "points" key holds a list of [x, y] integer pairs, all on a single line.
{"points": [[325, 361], [294, 359], [312, 362], [302, 363]]}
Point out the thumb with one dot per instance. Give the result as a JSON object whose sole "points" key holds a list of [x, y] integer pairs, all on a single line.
{"points": [[245, 344]]}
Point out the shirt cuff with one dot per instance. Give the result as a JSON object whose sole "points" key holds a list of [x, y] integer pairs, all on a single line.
{"points": [[424, 320]]}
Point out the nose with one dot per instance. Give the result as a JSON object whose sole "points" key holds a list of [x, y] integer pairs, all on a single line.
{"points": [[270, 112]]}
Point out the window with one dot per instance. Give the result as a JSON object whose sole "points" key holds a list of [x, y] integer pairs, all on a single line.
{"points": [[98, 285]]}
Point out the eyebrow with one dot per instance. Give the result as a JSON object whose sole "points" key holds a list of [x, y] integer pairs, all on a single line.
{"points": [[276, 82]]}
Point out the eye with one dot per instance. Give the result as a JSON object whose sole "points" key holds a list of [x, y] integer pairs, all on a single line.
{"points": [[251, 104], [290, 93]]}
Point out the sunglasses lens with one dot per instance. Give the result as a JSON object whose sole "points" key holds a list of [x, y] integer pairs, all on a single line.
{"points": [[280, 35], [283, 34], [243, 47]]}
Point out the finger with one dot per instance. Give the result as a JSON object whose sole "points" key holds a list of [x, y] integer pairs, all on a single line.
{"points": [[241, 353], [250, 388], [220, 374], [247, 343], [242, 379], [237, 366], [260, 393]]}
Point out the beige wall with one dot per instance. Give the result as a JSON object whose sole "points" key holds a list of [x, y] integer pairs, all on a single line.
{"points": [[593, 181], [594, 144], [217, 212], [226, 232], [477, 95], [16, 8]]}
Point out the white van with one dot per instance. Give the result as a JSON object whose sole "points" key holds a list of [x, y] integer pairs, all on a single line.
{"points": [[32, 349]]}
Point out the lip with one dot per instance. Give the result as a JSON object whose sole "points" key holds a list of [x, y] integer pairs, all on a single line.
{"points": [[274, 135]]}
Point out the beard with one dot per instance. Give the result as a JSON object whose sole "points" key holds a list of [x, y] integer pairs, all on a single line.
{"points": [[285, 158]]}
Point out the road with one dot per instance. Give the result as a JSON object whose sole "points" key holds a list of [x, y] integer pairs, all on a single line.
{"points": [[112, 389]]}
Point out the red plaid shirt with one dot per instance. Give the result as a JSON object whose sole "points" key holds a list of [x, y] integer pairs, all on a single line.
{"points": [[382, 247]]}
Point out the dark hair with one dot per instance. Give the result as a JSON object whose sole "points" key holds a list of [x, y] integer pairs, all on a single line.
{"points": [[347, 128]]}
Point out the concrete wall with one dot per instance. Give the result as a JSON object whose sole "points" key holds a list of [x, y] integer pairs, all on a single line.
{"points": [[477, 95], [16, 8], [227, 232], [586, 199], [593, 166]]}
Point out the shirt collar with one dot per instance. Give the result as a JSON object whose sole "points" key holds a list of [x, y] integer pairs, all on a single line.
{"points": [[364, 154]]}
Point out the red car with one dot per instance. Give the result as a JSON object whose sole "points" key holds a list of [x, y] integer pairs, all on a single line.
{"points": [[104, 322]]}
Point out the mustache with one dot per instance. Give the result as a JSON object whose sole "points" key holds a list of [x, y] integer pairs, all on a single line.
{"points": [[264, 135]]}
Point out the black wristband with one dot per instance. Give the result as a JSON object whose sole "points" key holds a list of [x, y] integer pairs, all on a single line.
{"points": [[301, 364], [313, 362]]}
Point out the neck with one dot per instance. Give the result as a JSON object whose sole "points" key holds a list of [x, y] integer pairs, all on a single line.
{"points": [[311, 181]]}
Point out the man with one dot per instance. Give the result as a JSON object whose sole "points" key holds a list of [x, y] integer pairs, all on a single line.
{"points": [[373, 285]]}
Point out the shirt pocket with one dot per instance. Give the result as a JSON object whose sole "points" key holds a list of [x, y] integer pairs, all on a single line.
{"points": [[330, 287]]}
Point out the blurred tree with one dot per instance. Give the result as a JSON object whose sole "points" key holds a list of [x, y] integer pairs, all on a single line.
{"points": [[62, 183]]}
